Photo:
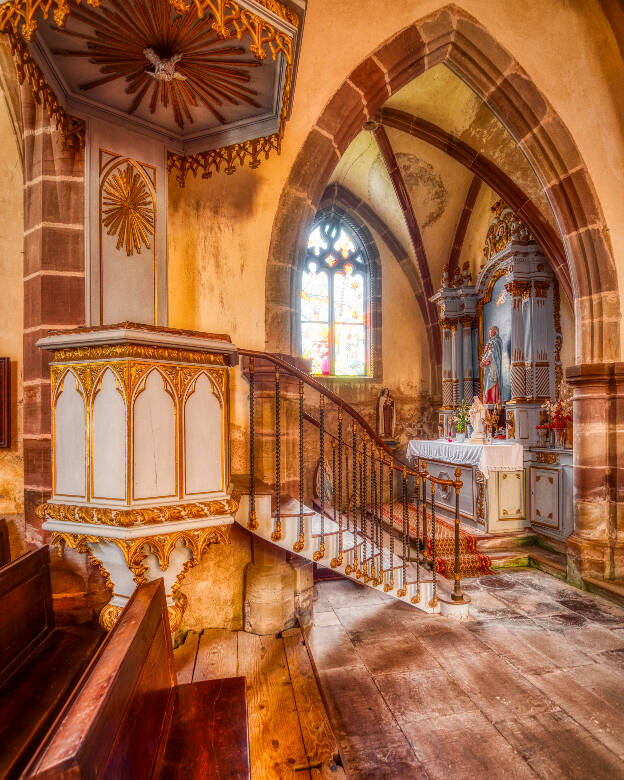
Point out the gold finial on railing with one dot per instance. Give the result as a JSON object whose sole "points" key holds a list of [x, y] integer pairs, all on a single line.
{"points": [[276, 535], [253, 523]]}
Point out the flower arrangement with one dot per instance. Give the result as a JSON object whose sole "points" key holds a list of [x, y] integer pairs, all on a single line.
{"points": [[461, 417], [560, 411]]}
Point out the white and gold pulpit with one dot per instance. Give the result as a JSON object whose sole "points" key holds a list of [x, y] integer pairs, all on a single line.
{"points": [[140, 457]]}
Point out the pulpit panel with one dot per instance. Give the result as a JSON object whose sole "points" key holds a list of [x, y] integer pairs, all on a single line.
{"points": [[155, 440], [108, 439], [204, 456], [70, 476]]}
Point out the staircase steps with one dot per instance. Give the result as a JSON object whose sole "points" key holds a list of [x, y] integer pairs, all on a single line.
{"points": [[393, 580]]}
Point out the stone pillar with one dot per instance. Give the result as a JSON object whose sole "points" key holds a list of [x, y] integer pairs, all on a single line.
{"points": [[540, 329], [279, 590], [467, 324], [54, 281], [596, 548], [517, 291], [269, 601]]}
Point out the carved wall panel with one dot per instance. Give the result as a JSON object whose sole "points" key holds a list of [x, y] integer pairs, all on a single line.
{"points": [[127, 226]]}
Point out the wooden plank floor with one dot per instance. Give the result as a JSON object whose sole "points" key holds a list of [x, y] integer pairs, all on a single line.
{"points": [[289, 733]]}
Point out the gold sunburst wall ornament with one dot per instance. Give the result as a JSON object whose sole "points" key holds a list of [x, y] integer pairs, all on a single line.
{"points": [[128, 209]]}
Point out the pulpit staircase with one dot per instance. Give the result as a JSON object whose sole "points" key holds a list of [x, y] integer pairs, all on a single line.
{"points": [[347, 523]]}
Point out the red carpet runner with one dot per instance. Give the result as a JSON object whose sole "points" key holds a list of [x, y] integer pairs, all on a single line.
{"points": [[471, 562]]}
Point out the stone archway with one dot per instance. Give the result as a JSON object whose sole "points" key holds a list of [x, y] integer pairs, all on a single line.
{"points": [[455, 38]]}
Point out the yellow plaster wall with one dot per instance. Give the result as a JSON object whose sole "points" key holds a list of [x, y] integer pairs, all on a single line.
{"points": [[12, 308], [220, 228], [474, 240]]}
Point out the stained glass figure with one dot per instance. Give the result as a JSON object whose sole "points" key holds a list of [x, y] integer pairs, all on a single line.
{"points": [[314, 295], [334, 289]]}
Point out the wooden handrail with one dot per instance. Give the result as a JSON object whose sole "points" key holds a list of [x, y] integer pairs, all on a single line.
{"points": [[320, 388], [403, 464]]}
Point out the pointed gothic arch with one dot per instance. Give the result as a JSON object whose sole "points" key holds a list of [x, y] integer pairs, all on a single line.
{"points": [[453, 37]]}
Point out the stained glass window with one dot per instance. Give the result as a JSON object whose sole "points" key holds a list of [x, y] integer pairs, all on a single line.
{"points": [[334, 305]]}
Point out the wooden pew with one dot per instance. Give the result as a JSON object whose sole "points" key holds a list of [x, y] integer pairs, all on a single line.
{"points": [[128, 719], [5, 549], [39, 664]]}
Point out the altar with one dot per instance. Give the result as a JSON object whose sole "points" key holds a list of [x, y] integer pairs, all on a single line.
{"points": [[493, 496]]}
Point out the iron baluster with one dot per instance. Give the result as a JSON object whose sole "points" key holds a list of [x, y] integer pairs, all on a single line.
{"points": [[416, 596], [252, 523], [390, 585], [423, 482], [320, 553], [355, 535], [403, 589], [299, 544], [373, 509], [381, 530], [334, 561], [338, 561], [434, 598], [364, 568], [277, 531]]}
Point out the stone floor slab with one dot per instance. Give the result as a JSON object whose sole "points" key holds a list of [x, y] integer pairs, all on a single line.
{"points": [[465, 746], [529, 685], [495, 686], [331, 647], [393, 656], [424, 694], [556, 747]]}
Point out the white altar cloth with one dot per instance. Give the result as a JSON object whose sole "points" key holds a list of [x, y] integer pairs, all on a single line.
{"points": [[502, 456]]}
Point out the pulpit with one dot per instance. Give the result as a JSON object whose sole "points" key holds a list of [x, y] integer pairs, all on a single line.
{"points": [[140, 457]]}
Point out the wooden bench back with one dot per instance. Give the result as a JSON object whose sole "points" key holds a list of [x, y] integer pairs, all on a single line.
{"points": [[26, 614], [5, 549], [117, 720]]}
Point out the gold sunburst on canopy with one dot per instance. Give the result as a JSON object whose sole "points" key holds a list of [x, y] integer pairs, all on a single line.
{"points": [[128, 209], [194, 66]]}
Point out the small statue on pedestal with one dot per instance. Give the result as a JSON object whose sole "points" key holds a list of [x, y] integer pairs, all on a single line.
{"points": [[477, 413], [386, 414]]}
